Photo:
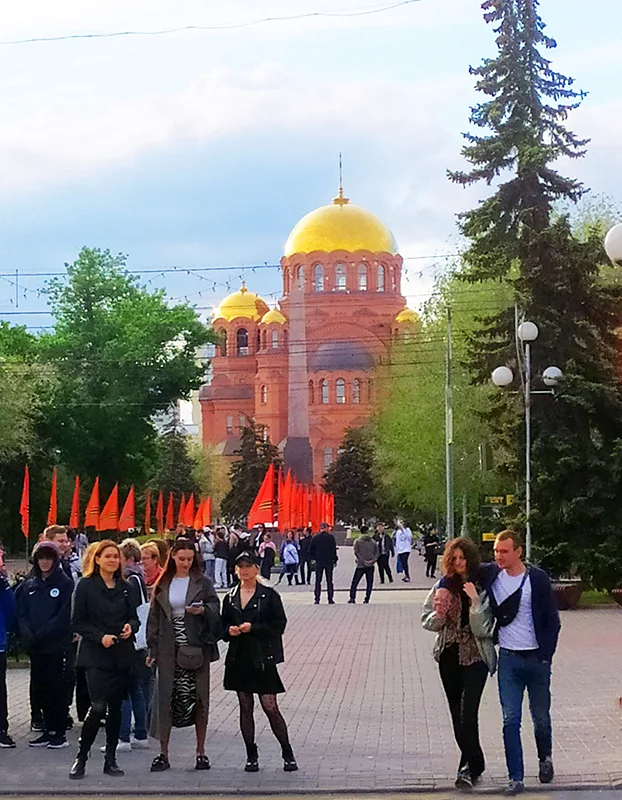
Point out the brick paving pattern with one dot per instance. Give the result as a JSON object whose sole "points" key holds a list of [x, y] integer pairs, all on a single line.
{"points": [[366, 712]]}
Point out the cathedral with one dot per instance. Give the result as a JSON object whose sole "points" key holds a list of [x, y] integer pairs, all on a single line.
{"points": [[305, 370]]}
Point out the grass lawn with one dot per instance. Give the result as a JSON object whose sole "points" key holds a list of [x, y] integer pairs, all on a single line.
{"points": [[594, 598]]}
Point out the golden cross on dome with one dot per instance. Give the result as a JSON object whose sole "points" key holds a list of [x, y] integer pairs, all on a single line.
{"points": [[340, 200]]}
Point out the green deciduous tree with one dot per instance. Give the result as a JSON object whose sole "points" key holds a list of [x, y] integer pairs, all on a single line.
{"points": [[254, 456], [352, 477], [516, 236]]}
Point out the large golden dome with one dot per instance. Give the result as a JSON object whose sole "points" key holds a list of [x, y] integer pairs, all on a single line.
{"points": [[340, 226], [242, 303]]}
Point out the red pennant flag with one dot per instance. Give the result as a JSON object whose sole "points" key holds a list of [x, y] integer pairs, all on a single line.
{"points": [[182, 510], [109, 518], [189, 512], [285, 504], [53, 508], [74, 518], [24, 506], [262, 509], [91, 513], [127, 519], [170, 523], [147, 512], [160, 512], [207, 512], [197, 522], [306, 499], [316, 509]]}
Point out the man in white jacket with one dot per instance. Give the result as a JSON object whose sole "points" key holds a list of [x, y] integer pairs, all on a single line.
{"points": [[403, 537]]}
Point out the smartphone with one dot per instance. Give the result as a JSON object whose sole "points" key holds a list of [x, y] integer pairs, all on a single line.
{"points": [[196, 604]]}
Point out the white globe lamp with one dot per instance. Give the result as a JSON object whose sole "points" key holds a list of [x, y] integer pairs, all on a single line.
{"points": [[613, 245], [502, 376], [527, 331], [551, 376]]}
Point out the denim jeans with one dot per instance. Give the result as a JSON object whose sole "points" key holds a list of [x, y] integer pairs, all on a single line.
{"points": [[519, 671], [210, 569], [137, 703], [220, 576]]}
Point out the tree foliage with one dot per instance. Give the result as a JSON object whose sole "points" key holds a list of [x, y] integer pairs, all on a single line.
{"points": [[352, 477], [247, 472], [174, 464]]}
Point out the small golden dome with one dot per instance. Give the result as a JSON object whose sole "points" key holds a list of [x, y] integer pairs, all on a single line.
{"points": [[408, 317], [340, 226], [274, 315], [241, 304]]}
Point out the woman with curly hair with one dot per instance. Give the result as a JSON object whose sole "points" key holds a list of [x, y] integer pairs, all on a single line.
{"points": [[457, 609]]}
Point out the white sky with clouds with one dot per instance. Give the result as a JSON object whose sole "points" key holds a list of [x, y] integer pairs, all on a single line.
{"points": [[205, 148]]}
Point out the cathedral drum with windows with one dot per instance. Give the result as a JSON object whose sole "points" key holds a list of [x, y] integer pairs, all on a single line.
{"points": [[346, 263]]}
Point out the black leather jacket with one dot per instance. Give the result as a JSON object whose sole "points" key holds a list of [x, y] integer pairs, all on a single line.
{"points": [[266, 615]]}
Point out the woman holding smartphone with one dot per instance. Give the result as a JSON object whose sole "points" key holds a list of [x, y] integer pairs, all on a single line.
{"points": [[104, 615], [183, 628]]}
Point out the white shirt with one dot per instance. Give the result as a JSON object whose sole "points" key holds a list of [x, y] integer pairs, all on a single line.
{"points": [[177, 594], [403, 540], [520, 634]]}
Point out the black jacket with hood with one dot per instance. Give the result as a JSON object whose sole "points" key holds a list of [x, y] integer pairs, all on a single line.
{"points": [[44, 606]]}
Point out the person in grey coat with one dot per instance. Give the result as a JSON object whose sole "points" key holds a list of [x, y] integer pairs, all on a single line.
{"points": [[183, 629], [366, 555]]}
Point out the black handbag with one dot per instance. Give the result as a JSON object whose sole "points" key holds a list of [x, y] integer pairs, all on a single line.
{"points": [[507, 610]]}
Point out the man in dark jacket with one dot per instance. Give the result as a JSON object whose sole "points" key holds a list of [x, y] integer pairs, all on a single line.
{"points": [[385, 552], [7, 615], [304, 543], [523, 603], [323, 550], [43, 616]]}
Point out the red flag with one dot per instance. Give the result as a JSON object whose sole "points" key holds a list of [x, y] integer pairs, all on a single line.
{"points": [[53, 508], [197, 522], [331, 509], [127, 519], [188, 518], [280, 496], [109, 518], [91, 512], [160, 512], [170, 523], [262, 509], [24, 506], [147, 512], [285, 505], [182, 510], [316, 509], [74, 518], [306, 499], [207, 512]]}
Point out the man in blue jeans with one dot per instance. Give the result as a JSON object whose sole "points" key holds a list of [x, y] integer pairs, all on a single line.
{"points": [[528, 629]]}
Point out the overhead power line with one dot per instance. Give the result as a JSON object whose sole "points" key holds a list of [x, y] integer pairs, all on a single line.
{"points": [[360, 12]]}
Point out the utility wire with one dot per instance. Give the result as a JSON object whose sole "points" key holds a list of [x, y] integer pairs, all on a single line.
{"points": [[361, 12]]}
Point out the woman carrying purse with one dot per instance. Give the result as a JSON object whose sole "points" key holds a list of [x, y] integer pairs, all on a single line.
{"points": [[459, 612], [182, 633]]}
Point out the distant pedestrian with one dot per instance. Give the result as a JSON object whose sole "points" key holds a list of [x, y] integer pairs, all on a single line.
{"points": [[304, 543], [528, 627], [458, 610], [403, 546], [253, 621], [431, 545], [267, 554], [386, 551], [323, 550], [152, 566], [235, 548], [7, 616], [207, 541], [221, 553], [366, 555], [44, 620], [291, 560], [105, 617]]}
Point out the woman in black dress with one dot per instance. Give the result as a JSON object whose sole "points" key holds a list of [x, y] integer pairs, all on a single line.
{"points": [[254, 621], [104, 615]]}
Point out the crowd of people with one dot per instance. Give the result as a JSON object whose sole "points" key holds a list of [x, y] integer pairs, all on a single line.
{"points": [[129, 632]]}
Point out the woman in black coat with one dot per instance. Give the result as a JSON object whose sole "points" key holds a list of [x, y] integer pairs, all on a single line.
{"points": [[254, 621], [104, 615]]}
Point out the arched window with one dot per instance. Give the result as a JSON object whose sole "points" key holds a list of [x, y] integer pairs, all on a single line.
{"points": [[222, 335], [300, 275], [362, 277], [286, 281], [324, 391], [258, 345], [229, 423], [311, 393], [263, 394], [356, 391], [242, 342], [328, 457], [275, 339], [242, 421], [263, 340], [318, 278], [266, 433], [380, 278], [340, 277], [340, 390], [393, 279]]}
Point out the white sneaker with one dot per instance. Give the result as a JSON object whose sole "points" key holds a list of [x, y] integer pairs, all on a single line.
{"points": [[139, 744], [122, 747]]}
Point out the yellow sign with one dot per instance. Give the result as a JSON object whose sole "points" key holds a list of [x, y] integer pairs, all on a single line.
{"points": [[509, 499], [488, 537]]}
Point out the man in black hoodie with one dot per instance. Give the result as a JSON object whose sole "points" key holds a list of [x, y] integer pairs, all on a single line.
{"points": [[43, 607]]}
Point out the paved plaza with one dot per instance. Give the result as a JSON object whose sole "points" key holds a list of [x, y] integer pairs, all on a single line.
{"points": [[366, 711]]}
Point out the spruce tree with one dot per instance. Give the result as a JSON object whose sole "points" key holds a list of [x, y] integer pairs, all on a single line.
{"points": [[517, 235]]}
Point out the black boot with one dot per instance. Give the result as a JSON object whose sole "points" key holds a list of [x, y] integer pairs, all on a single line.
{"points": [[78, 768], [112, 768], [90, 729], [289, 761], [252, 759]]}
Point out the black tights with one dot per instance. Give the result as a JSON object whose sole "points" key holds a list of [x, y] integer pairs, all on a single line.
{"points": [[275, 718]]}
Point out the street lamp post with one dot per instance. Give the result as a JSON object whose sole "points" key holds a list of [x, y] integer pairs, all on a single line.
{"points": [[527, 332], [613, 245]]}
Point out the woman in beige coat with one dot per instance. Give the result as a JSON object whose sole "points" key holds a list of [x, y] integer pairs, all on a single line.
{"points": [[183, 629]]}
